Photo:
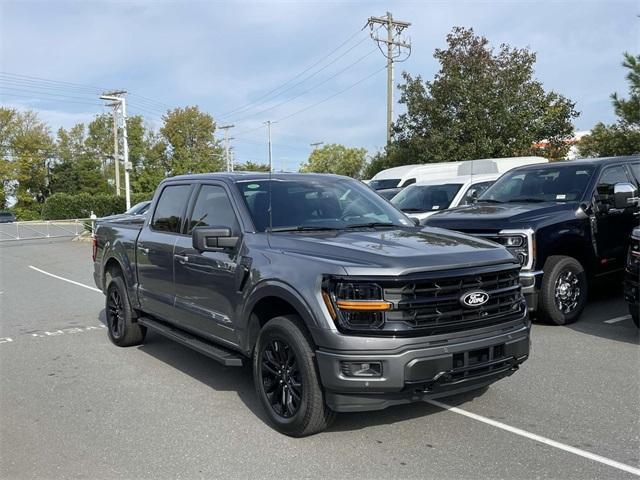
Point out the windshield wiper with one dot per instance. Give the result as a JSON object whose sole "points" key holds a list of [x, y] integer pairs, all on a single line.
{"points": [[489, 200], [414, 210], [372, 225], [527, 200], [302, 228]]}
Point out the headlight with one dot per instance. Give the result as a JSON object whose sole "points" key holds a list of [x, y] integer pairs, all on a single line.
{"points": [[519, 244], [354, 305]]}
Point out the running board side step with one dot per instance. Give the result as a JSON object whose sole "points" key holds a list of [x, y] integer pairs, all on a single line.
{"points": [[218, 353]]}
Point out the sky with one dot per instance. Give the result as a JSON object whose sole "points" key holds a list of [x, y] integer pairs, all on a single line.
{"points": [[246, 62]]}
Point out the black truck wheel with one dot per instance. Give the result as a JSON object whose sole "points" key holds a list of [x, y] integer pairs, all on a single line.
{"points": [[121, 328], [287, 380], [564, 290]]}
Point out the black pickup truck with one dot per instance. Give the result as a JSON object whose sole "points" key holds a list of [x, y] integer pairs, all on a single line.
{"points": [[632, 277], [339, 300], [566, 222]]}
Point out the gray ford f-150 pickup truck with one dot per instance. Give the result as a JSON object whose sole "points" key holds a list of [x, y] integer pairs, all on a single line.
{"points": [[339, 301]]}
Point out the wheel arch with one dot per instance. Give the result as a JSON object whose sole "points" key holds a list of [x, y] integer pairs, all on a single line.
{"points": [[271, 299]]}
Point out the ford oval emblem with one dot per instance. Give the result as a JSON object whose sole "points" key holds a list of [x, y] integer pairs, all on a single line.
{"points": [[474, 299]]}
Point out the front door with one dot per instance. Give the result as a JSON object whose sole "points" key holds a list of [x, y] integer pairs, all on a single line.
{"points": [[205, 282], [613, 225], [154, 252]]}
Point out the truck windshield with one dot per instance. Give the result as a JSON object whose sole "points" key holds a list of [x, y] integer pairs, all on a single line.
{"points": [[385, 183], [317, 204], [564, 183], [425, 198]]}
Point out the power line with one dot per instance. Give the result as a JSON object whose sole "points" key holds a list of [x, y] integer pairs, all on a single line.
{"points": [[320, 60], [351, 65], [51, 100]]}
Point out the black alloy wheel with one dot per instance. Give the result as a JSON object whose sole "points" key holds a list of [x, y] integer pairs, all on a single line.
{"points": [[281, 378]]}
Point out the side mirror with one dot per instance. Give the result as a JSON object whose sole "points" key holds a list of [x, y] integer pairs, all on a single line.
{"points": [[416, 221], [473, 195], [624, 195], [213, 239]]}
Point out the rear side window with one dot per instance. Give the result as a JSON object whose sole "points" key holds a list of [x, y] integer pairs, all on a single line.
{"points": [[213, 209], [168, 214]]}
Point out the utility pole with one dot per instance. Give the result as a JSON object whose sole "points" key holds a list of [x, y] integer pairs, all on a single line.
{"points": [[226, 145], [315, 145], [118, 98], [269, 122], [116, 155], [394, 53]]}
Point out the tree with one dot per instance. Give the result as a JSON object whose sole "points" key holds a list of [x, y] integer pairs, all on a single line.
{"points": [[190, 142], [335, 158], [250, 166], [623, 137], [26, 149], [482, 103]]}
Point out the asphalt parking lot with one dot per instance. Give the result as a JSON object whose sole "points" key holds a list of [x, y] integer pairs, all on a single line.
{"points": [[72, 405]]}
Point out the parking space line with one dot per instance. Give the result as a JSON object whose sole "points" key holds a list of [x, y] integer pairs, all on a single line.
{"points": [[65, 279], [538, 438], [618, 319]]}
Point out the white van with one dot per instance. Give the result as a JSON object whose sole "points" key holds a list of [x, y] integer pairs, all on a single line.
{"points": [[423, 199], [389, 178]]}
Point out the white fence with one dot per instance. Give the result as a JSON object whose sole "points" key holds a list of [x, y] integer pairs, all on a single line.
{"points": [[39, 229]]}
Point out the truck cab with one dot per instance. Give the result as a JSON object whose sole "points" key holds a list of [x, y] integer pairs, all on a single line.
{"points": [[566, 222]]}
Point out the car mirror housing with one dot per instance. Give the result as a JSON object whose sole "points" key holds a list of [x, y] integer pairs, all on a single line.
{"points": [[624, 195], [213, 239]]}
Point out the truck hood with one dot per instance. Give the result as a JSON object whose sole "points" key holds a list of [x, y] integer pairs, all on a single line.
{"points": [[392, 251], [495, 217]]}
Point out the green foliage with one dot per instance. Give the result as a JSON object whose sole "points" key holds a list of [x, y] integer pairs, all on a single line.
{"points": [[191, 146], [482, 103], [623, 137], [338, 159], [61, 206], [250, 166]]}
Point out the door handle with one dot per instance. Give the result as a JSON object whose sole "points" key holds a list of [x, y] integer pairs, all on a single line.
{"points": [[143, 250], [181, 258]]}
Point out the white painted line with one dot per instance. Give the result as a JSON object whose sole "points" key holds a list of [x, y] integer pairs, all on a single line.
{"points": [[618, 319], [537, 438], [65, 279]]}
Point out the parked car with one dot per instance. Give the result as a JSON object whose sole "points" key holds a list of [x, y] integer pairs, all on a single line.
{"points": [[138, 210], [336, 298], [423, 199], [632, 277], [7, 217], [566, 222]]}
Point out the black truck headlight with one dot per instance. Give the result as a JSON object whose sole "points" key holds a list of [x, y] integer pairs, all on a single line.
{"points": [[355, 305], [519, 243]]}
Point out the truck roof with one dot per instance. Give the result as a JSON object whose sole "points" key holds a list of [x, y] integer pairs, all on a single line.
{"points": [[595, 161], [248, 176]]}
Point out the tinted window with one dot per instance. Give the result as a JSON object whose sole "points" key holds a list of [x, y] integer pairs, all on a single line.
{"points": [[387, 183], [425, 198], [635, 168], [610, 176], [317, 202], [168, 214], [213, 209], [559, 184], [474, 191]]}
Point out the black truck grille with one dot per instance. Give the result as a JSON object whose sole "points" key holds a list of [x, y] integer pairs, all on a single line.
{"points": [[433, 305]]}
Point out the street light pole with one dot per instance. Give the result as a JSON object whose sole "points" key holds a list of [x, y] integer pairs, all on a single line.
{"points": [[268, 122], [125, 147]]}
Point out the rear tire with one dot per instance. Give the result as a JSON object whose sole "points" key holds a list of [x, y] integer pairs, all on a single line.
{"points": [[121, 328], [287, 380], [564, 290]]}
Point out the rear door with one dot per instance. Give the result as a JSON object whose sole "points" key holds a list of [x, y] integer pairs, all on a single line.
{"points": [[206, 283], [613, 225], [154, 251]]}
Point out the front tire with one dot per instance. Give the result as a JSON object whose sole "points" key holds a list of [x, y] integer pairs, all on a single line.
{"points": [[287, 380], [563, 291], [121, 328]]}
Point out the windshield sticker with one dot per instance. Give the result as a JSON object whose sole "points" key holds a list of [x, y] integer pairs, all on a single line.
{"points": [[561, 197], [253, 186], [435, 207]]}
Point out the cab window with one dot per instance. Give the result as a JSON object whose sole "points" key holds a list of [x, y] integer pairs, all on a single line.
{"points": [[609, 177], [167, 216], [213, 209], [474, 191]]}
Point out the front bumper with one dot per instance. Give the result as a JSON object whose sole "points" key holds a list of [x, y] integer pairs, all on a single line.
{"points": [[531, 282], [423, 372]]}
